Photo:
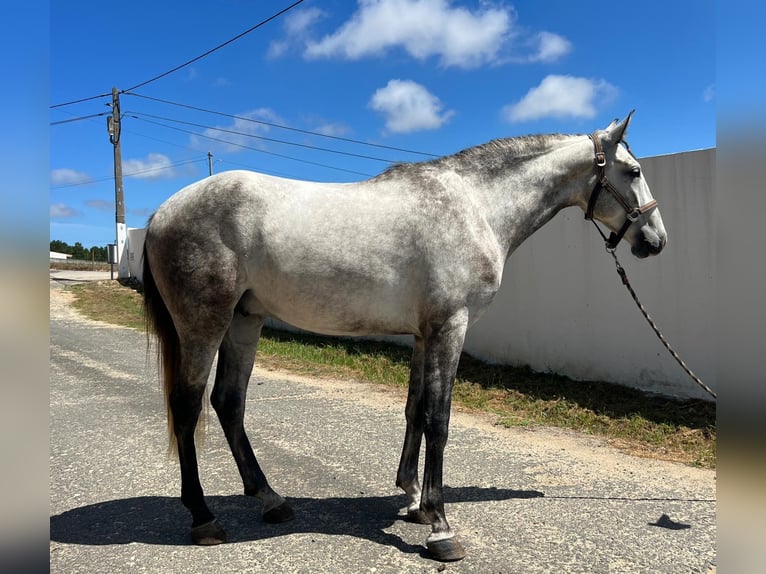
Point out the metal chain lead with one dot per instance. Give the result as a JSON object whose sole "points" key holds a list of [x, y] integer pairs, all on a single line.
{"points": [[624, 276]]}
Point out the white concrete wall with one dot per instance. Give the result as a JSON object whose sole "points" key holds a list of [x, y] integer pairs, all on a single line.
{"points": [[135, 248], [562, 307]]}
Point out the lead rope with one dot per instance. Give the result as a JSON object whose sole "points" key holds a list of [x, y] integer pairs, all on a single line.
{"points": [[624, 276]]}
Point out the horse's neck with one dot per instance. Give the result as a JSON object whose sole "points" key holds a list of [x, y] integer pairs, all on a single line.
{"points": [[524, 199]]}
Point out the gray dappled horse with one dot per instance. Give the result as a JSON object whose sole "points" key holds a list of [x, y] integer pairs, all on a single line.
{"points": [[417, 250]]}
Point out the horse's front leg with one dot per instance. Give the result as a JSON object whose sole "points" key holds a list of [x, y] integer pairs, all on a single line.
{"points": [[442, 354], [407, 475]]}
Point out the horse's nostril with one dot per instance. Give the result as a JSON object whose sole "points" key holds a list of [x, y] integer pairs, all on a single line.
{"points": [[661, 244]]}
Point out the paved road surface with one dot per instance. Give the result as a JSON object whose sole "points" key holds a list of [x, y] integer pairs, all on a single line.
{"points": [[522, 501], [68, 276]]}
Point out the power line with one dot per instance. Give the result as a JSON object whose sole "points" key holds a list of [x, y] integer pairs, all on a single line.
{"points": [[155, 78], [226, 43], [123, 129], [227, 142], [139, 134], [234, 132], [253, 148], [131, 174], [273, 125], [79, 118], [81, 100], [169, 166]]}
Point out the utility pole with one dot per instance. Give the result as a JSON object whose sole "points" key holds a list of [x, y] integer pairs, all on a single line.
{"points": [[114, 127], [210, 163]]}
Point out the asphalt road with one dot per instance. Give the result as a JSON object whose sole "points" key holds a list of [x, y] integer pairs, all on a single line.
{"points": [[521, 500]]}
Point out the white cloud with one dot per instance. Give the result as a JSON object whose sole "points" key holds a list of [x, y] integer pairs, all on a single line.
{"points": [[141, 211], [300, 21], [61, 210], [66, 176], [155, 166], [332, 129], [708, 95], [424, 28], [277, 49], [297, 27], [561, 96], [549, 47], [100, 204], [408, 107]]}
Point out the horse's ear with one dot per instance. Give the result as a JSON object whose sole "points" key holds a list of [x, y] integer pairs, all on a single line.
{"points": [[617, 130]]}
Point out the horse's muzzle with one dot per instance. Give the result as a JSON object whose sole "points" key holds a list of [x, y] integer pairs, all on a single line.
{"points": [[651, 243]]}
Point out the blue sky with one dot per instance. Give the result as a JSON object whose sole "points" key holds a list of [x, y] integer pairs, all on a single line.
{"points": [[429, 76]]}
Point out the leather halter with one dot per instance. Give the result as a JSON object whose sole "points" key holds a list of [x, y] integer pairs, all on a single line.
{"points": [[633, 213]]}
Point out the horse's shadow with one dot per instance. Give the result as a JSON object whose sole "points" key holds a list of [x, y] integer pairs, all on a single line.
{"points": [[163, 520]]}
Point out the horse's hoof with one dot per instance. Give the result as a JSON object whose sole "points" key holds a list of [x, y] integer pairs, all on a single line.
{"points": [[417, 516], [446, 550], [282, 513], [208, 534]]}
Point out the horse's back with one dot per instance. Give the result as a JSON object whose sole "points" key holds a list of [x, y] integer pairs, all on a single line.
{"points": [[336, 258]]}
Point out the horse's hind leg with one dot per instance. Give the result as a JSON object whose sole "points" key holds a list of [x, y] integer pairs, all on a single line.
{"points": [[236, 356], [185, 402]]}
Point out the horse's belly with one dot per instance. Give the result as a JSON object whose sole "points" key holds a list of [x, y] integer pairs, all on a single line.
{"points": [[336, 308]]}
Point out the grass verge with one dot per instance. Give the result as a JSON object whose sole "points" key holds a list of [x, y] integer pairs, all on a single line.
{"points": [[633, 421]]}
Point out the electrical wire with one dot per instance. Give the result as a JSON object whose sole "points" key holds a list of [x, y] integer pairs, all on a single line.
{"points": [[226, 43], [253, 148], [273, 125], [131, 174], [139, 134], [169, 166], [167, 73], [140, 115], [79, 118], [61, 105], [217, 160]]}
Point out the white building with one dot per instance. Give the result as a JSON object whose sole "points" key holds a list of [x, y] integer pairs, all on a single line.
{"points": [[56, 256]]}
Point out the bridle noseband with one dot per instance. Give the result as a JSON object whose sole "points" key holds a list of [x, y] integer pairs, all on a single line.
{"points": [[633, 213]]}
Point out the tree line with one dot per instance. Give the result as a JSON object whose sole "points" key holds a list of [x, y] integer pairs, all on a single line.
{"points": [[78, 251]]}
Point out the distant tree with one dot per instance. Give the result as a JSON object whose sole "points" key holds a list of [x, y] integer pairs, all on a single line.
{"points": [[60, 246], [78, 251], [99, 253]]}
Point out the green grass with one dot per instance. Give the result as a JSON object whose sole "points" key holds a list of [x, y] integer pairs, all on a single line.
{"points": [[636, 422], [110, 302]]}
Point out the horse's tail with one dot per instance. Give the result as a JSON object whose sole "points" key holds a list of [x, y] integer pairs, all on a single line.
{"points": [[159, 323]]}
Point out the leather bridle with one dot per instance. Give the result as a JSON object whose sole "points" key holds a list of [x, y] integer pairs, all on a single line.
{"points": [[632, 213]]}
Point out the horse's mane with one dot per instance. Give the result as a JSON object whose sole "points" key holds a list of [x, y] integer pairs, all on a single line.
{"points": [[492, 156]]}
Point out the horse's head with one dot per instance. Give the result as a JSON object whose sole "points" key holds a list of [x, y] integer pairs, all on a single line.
{"points": [[620, 198]]}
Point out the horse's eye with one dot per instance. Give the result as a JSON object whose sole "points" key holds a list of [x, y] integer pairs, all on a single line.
{"points": [[635, 172]]}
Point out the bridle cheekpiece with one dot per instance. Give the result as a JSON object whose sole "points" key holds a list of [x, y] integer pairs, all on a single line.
{"points": [[632, 213]]}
